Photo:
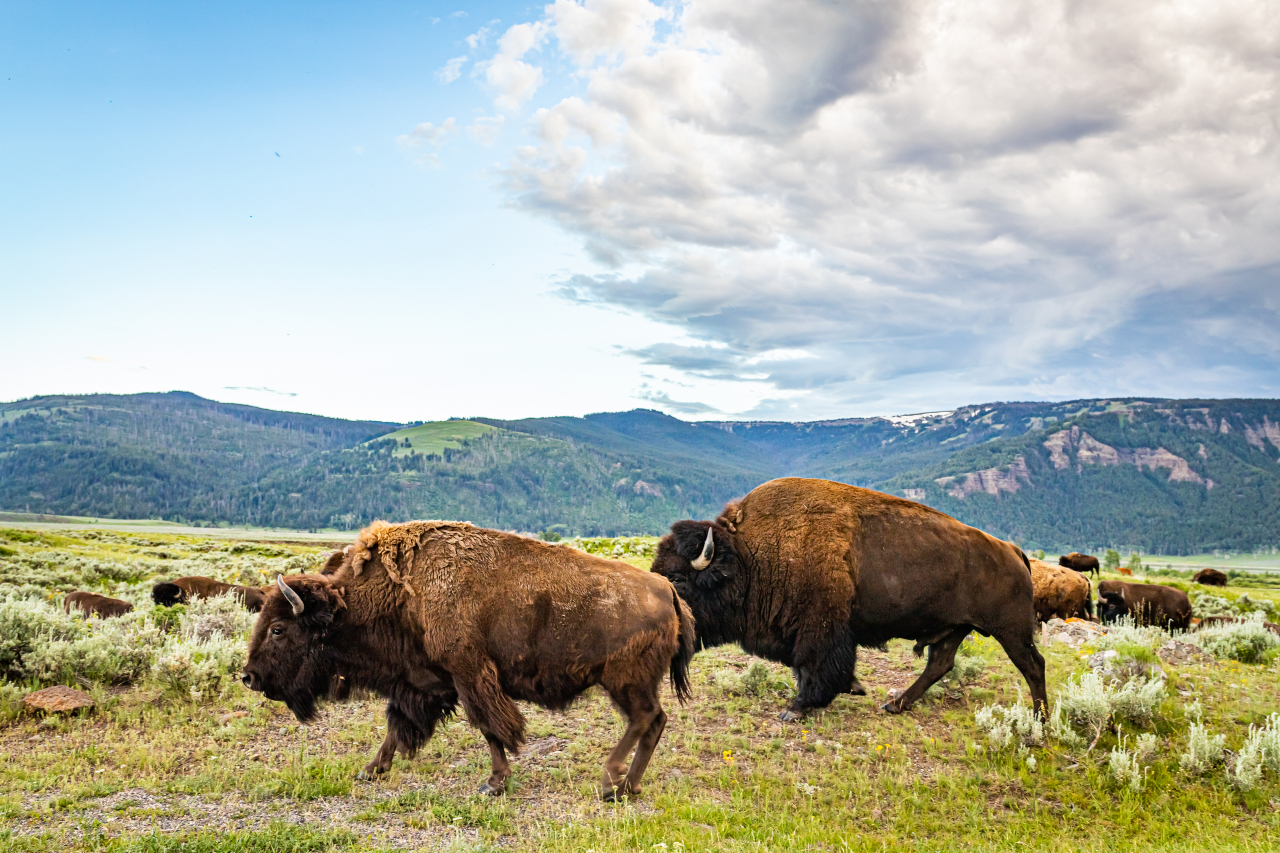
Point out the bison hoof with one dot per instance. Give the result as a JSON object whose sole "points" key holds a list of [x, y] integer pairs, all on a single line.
{"points": [[617, 795], [857, 689], [369, 774], [790, 716], [491, 790], [891, 708]]}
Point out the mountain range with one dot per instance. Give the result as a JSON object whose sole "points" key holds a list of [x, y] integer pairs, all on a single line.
{"points": [[1163, 476]]}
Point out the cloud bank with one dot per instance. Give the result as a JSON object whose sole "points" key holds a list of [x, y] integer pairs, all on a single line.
{"points": [[837, 206]]}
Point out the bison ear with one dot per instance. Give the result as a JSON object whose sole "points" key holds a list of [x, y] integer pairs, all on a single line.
{"points": [[334, 562]]}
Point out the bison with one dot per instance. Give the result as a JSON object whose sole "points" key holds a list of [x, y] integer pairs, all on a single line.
{"points": [[1147, 604], [90, 603], [182, 590], [1210, 577], [1082, 563], [804, 571], [1060, 592], [430, 614]]}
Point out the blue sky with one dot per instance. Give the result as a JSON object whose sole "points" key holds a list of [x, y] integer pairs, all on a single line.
{"points": [[718, 209]]}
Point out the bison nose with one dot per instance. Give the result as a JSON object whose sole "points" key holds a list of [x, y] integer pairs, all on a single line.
{"points": [[248, 681]]}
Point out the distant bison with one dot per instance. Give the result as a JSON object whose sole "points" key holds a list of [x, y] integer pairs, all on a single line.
{"points": [[182, 590], [432, 613], [1147, 604], [805, 571], [1061, 593], [1210, 577], [1082, 563], [91, 603]]}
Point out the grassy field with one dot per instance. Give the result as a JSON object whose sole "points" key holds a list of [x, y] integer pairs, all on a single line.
{"points": [[433, 438], [151, 769]]}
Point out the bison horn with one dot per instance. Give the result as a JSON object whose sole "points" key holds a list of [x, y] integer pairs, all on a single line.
{"points": [[708, 551], [290, 596]]}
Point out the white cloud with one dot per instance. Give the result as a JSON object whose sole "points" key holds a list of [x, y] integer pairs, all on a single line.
{"points": [[513, 80], [451, 70], [479, 37], [427, 136], [485, 129], [920, 196]]}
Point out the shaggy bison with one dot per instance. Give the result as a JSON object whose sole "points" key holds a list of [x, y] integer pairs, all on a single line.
{"points": [[1210, 577], [182, 590], [1147, 604], [432, 613], [1060, 592], [1082, 563], [805, 571], [90, 603]]}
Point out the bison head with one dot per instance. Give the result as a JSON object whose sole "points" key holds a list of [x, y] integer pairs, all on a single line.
{"points": [[289, 656], [699, 560], [1111, 606], [167, 594]]}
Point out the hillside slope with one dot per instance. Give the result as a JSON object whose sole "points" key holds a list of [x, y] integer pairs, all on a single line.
{"points": [[1172, 476]]}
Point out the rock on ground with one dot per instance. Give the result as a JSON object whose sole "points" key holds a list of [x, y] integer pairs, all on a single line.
{"points": [[58, 700], [1176, 652]]}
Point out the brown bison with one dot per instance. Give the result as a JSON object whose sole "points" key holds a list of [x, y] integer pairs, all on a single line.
{"points": [[1082, 563], [1210, 577], [1061, 593], [182, 590], [90, 603], [1147, 604], [432, 613], [805, 571]]}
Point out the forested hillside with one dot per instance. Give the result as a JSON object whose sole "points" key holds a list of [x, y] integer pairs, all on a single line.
{"points": [[1159, 475]]}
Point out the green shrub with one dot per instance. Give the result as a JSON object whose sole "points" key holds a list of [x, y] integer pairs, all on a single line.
{"points": [[1204, 751], [1248, 641], [1125, 768], [1016, 724], [27, 624]]}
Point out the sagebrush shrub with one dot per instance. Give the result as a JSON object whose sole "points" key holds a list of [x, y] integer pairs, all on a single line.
{"points": [[219, 616], [1125, 768], [1204, 751], [198, 669], [27, 624], [1016, 724], [1147, 749], [1248, 641], [1091, 703], [1259, 754]]}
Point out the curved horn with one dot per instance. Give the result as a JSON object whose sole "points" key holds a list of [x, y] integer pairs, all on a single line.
{"points": [[292, 597], [708, 551]]}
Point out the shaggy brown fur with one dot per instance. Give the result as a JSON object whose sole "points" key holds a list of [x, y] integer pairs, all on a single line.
{"points": [[1210, 577], [804, 571], [1148, 604], [90, 603], [1060, 592], [1082, 563], [182, 590], [433, 613]]}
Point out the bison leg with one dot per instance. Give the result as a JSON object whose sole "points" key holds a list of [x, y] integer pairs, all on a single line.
{"points": [[645, 719], [497, 782], [1027, 658], [942, 656], [381, 762], [822, 674]]}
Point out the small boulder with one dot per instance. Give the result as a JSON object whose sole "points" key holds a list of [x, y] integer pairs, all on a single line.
{"points": [[1178, 653], [58, 700], [1074, 632]]}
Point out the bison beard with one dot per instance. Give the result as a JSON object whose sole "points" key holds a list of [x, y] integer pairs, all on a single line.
{"points": [[804, 571], [433, 614]]}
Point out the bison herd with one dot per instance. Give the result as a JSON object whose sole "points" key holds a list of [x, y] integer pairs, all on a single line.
{"points": [[431, 615]]}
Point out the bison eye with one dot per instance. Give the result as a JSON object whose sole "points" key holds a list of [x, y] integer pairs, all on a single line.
{"points": [[277, 630]]}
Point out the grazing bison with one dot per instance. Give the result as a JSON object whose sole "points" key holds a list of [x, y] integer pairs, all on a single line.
{"points": [[1061, 593], [1082, 563], [91, 603], [804, 571], [432, 613], [1210, 577], [1148, 604], [182, 590]]}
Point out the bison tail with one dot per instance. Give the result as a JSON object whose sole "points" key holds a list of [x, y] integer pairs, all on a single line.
{"points": [[1088, 600], [684, 651]]}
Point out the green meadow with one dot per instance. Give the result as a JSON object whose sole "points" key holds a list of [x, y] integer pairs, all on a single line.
{"points": [[174, 759]]}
